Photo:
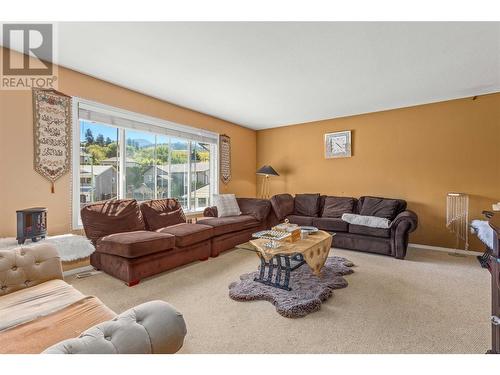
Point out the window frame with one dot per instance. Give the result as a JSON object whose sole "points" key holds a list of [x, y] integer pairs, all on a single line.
{"points": [[148, 120]]}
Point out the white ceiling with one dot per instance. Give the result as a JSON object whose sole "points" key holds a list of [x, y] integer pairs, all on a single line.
{"points": [[268, 74]]}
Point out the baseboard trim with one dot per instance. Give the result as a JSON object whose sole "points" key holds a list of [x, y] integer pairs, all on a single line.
{"points": [[445, 249], [77, 270]]}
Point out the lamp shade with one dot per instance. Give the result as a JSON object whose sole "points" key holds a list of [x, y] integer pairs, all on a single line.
{"points": [[267, 170]]}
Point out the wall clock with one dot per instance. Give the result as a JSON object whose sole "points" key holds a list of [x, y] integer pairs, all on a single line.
{"points": [[338, 145]]}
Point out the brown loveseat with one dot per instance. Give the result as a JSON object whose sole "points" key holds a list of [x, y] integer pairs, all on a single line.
{"points": [[325, 212], [135, 241]]}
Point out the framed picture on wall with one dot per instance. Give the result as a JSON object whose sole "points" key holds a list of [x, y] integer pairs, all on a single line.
{"points": [[338, 144]]}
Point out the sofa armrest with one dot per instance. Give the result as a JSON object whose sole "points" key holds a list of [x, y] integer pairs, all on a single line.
{"points": [[408, 218], [210, 212], [488, 214], [258, 208], [401, 226], [150, 328], [24, 267]]}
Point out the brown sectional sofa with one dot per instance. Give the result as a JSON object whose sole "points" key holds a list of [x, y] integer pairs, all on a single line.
{"points": [[135, 241], [325, 212]]}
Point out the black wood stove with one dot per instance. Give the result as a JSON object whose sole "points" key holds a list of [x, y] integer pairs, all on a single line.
{"points": [[31, 223]]}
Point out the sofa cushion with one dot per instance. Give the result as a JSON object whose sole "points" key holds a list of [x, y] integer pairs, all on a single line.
{"points": [[187, 234], [258, 208], [283, 205], [321, 204], [229, 224], [31, 303], [113, 216], [370, 231], [135, 244], [306, 204], [331, 224], [300, 220], [45, 330], [381, 207], [226, 205], [161, 213], [336, 206]]}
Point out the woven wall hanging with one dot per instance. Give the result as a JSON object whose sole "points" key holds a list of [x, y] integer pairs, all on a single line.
{"points": [[225, 158], [51, 134]]}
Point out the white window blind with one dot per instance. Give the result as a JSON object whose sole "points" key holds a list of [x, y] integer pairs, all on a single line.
{"points": [[128, 120]]}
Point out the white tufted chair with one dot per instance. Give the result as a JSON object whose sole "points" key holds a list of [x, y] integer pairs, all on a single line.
{"points": [[149, 328], [25, 267]]}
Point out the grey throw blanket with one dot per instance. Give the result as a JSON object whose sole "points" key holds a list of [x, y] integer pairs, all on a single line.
{"points": [[367, 221]]}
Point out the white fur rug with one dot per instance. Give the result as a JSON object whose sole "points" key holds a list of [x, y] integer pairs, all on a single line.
{"points": [[70, 246]]}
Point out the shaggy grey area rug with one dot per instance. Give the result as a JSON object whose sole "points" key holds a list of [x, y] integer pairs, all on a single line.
{"points": [[308, 290]]}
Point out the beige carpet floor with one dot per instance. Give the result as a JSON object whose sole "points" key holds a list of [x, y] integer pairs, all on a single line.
{"points": [[429, 303]]}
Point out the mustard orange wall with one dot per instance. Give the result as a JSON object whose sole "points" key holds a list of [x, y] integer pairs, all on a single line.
{"points": [[418, 154], [21, 186]]}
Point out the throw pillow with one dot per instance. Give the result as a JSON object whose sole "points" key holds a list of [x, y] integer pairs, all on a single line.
{"points": [[283, 205], [258, 208], [380, 207], [112, 216], [307, 204], [161, 213], [226, 205], [336, 206]]}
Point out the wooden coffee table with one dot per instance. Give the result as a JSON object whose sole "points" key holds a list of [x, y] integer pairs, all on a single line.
{"points": [[277, 264]]}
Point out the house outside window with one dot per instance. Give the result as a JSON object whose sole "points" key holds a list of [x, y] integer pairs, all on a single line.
{"points": [[121, 154]]}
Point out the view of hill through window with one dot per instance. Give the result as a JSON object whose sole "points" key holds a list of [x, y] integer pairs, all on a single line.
{"points": [[155, 166]]}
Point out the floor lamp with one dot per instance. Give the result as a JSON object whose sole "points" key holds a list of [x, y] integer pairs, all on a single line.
{"points": [[266, 171]]}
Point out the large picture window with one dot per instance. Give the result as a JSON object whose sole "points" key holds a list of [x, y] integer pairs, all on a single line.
{"points": [[120, 154]]}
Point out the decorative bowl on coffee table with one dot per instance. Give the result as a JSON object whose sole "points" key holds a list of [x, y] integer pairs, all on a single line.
{"points": [[309, 230]]}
